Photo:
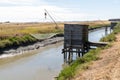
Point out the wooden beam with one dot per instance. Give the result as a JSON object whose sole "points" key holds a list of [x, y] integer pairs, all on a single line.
{"points": [[98, 44]]}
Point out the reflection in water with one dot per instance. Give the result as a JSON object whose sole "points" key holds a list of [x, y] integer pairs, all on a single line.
{"points": [[45, 65]]}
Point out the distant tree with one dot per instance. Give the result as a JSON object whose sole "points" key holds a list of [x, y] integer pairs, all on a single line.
{"points": [[7, 22]]}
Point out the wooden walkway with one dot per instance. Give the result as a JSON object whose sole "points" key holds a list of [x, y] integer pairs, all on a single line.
{"points": [[98, 44]]}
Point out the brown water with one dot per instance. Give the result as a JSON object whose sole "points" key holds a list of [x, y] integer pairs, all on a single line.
{"points": [[43, 64]]}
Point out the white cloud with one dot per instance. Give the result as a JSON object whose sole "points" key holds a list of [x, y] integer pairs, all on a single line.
{"points": [[26, 10], [16, 1], [69, 14], [30, 13], [21, 2]]}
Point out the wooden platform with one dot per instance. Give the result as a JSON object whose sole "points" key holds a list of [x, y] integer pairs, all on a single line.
{"points": [[98, 44]]}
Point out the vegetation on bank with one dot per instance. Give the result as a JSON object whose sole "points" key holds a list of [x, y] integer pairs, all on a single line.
{"points": [[16, 34], [111, 37], [82, 64], [16, 41]]}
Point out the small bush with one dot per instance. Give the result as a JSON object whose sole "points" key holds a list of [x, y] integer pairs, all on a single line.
{"points": [[15, 40], [92, 55], [117, 29], [5, 43], [109, 38], [29, 38]]}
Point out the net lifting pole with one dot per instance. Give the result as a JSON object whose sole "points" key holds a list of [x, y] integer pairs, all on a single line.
{"points": [[46, 12]]}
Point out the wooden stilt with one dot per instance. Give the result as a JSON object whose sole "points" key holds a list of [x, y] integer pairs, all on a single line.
{"points": [[65, 57], [69, 56], [78, 52]]}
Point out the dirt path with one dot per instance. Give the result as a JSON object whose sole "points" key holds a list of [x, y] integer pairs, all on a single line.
{"points": [[107, 68]]}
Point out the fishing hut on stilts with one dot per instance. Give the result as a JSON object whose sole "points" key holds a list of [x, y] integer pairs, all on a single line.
{"points": [[75, 41]]}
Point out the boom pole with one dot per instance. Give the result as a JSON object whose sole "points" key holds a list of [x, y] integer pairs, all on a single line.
{"points": [[56, 27]]}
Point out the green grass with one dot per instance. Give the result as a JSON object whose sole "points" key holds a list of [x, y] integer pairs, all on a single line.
{"points": [[117, 29], [16, 41], [109, 38]]}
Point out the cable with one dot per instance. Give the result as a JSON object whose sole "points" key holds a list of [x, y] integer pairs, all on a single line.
{"points": [[46, 12]]}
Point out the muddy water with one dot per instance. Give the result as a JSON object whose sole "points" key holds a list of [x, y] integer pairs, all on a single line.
{"points": [[43, 64]]}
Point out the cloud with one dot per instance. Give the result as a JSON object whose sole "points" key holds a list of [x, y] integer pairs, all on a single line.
{"points": [[67, 14], [30, 13], [21, 2]]}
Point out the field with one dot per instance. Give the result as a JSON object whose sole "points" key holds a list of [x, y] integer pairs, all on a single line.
{"points": [[19, 29]]}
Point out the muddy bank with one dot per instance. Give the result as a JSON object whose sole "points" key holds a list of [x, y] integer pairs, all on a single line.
{"points": [[37, 45]]}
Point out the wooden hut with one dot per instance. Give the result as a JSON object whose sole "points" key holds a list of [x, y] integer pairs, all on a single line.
{"points": [[75, 40], [75, 35]]}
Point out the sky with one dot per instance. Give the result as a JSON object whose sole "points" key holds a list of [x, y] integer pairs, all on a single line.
{"points": [[60, 10]]}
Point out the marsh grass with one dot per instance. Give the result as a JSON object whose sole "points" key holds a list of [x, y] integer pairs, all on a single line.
{"points": [[16, 41], [19, 29]]}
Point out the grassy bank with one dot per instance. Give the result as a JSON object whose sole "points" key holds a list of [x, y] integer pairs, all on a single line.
{"points": [[111, 37], [16, 34], [82, 64], [16, 41]]}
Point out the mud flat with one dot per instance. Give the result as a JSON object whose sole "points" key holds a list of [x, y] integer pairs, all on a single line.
{"points": [[38, 45]]}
